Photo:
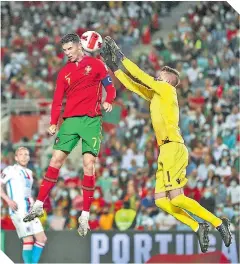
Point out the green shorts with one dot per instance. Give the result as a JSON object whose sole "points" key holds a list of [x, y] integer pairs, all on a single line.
{"points": [[75, 128]]}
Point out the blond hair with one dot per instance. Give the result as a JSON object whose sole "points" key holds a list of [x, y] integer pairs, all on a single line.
{"points": [[173, 71], [21, 148]]}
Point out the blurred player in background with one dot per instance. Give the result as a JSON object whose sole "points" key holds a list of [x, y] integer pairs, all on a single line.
{"points": [[18, 180], [173, 157], [81, 80]]}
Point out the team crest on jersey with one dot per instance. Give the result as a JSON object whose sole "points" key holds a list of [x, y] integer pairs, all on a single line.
{"points": [[57, 140], [87, 70]]}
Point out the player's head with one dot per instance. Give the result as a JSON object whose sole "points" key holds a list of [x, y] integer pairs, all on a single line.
{"points": [[169, 75], [71, 46], [22, 156]]}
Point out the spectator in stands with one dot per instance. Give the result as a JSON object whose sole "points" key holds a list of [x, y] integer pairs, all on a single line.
{"points": [[94, 221], [223, 170], [193, 72], [125, 218], [208, 201], [204, 168], [132, 196], [165, 221], [144, 221], [98, 201], [218, 148], [106, 218], [233, 192], [57, 220], [219, 190]]}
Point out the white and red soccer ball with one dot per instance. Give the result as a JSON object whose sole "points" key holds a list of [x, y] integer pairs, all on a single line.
{"points": [[91, 41]]}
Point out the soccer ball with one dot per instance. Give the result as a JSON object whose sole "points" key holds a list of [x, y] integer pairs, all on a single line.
{"points": [[91, 41]]}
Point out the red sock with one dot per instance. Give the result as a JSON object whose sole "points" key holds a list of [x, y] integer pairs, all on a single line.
{"points": [[88, 186], [48, 182]]}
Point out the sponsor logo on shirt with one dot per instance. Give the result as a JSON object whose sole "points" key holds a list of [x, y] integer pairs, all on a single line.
{"points": [[178, 181]]}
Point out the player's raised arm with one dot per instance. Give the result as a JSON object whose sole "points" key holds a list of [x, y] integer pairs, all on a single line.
{"points": [[135, 87], [113, 63], [162, 88], [163, 85], [117, 58], [137, 73], [57, 100]]}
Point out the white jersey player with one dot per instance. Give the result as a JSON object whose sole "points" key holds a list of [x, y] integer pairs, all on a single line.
{"points": [[18, 181]]}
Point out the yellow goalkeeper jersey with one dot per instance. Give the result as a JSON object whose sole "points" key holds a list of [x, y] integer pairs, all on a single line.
{"points": [[162, 96]]}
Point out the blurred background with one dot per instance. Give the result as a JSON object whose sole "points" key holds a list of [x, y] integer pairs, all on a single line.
{"points": [[199, 39]]}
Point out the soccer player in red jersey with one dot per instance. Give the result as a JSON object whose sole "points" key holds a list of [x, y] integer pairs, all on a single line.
{"points": [[81, 81]]}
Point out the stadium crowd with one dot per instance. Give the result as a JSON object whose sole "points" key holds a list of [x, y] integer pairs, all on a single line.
{"points": [[203, 47], [31, 54]]}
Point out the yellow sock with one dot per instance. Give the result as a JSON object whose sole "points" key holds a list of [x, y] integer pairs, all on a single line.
{"points": [[165, 204], [195, 208]]}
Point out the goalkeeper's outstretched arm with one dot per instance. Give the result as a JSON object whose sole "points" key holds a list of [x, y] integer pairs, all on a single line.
{"points": [[133, 86], [137, 73], [115, 59], [160, 87]]}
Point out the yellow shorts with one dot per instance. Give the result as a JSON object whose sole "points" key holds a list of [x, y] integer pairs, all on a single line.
{"points": [[172, 163]]}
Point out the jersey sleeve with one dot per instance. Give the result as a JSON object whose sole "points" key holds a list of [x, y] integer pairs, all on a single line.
{"points": [[107, 82], [137, 73], [57, 99], [161, 88], [6, 175], [137, 88]]}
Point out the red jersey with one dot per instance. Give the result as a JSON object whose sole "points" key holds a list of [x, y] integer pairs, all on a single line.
{"points": [[82, 83]]}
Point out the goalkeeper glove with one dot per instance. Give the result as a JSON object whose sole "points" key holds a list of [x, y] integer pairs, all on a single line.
{"points": [[107, 56], [118, 56]]}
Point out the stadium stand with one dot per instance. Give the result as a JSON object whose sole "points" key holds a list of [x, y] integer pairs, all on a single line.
{"points": [[207, 55]]}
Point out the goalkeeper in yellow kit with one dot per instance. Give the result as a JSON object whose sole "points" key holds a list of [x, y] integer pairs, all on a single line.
{"points": [[173, 157]]}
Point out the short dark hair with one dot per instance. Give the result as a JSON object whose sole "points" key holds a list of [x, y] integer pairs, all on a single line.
{"points": [[173, 71], [72, 37]]}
